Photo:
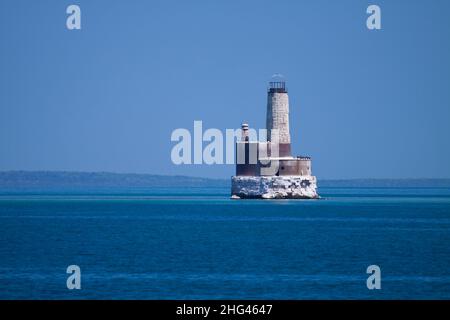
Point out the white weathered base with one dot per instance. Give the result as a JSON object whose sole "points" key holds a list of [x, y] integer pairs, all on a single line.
{"points": [[274, 187]]}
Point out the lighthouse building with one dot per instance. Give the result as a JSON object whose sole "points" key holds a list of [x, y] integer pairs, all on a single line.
{"points": [[267, 169]]}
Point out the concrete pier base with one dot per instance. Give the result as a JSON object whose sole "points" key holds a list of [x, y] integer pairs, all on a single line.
{"points": [[274, 187]]}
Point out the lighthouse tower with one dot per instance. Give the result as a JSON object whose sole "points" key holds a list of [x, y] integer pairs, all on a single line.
{"points": [[278, 116]]}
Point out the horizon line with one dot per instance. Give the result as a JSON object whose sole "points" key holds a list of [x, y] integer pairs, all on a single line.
{"points": [[196, 177]]}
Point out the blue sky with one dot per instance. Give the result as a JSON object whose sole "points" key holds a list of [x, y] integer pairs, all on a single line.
{"points": [[364, 104]]}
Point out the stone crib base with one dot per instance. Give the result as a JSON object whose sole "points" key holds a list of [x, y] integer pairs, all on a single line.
{"points": [[274, 187]]}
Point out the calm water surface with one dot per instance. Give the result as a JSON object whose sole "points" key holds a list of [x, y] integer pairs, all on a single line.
{"points": [[199, 244]]}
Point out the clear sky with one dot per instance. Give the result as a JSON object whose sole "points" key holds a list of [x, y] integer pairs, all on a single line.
{"points": [[364, 104]]}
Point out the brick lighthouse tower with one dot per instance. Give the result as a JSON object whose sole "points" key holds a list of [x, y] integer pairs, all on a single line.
{"points": [[267, 169]]}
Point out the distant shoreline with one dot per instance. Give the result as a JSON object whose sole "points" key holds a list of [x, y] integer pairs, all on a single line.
{"points": [[54, 179]]}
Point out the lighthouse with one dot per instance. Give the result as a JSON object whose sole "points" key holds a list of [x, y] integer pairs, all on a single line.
{"points": [[267, 169]]}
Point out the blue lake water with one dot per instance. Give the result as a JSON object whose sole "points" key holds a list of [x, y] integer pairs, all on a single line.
{"points": [[199, 244]]}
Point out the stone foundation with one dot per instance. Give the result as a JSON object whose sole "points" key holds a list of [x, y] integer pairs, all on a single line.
{"points": [[274, 187]]}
